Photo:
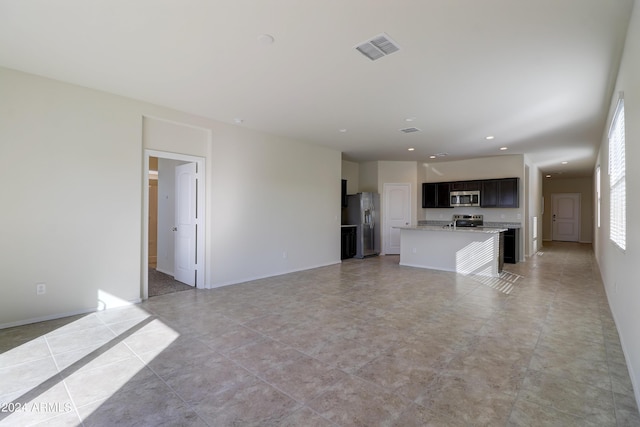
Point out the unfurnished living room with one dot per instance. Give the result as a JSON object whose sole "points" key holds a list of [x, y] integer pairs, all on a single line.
{"points": [[277, 213]]}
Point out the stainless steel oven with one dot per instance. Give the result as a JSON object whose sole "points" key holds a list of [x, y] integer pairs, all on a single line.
{"points": [[465, 198]]}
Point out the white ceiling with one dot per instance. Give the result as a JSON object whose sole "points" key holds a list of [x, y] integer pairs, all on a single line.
{"points": [[538, 75]]}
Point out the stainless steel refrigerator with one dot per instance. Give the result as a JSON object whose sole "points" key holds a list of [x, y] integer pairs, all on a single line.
{"points": [[363, 210]]}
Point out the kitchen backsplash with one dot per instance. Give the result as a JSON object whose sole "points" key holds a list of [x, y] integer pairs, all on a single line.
{"points": [[500, 224], [490, 215]]}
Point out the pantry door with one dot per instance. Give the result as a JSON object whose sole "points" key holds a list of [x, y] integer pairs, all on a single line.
{"points": [[186, 217], [396, 213]]}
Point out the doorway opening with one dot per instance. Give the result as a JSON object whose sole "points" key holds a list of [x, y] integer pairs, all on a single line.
{"points": [[173, 229]]}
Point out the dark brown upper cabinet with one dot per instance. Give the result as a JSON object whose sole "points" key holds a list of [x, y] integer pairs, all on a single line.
{"points": [[499, 193], [494, 193], [435, 195]]}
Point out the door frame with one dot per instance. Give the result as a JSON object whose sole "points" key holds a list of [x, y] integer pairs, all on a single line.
{"points": [[384, 207], [201, 259]]}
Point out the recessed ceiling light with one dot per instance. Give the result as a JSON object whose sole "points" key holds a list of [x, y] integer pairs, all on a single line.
{"points": [[503, 148], [489, 137], [342, 130], [548, 176], [564, 163], [409, 119], [411, 149], [432, 157], [265, 39]]}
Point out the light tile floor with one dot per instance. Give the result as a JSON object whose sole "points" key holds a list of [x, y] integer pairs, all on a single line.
{"points": [[366, 343]]}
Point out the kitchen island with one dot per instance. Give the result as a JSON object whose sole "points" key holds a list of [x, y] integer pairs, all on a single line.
{"points": [[476, 251]]}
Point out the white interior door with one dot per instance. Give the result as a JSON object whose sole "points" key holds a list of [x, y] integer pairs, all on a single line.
{"points": [[565, 217], [397, 213], [186, 217]]}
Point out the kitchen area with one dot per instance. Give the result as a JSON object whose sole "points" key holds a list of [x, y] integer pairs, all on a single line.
{"points": [[472, 226], [465, 245]]}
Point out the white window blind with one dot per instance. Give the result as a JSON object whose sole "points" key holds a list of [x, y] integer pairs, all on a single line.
{"points": [[598, 196], [618, 220]]}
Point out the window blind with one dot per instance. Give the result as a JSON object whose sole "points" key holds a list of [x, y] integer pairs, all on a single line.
{"points": [[598, 196], [618, 220]]}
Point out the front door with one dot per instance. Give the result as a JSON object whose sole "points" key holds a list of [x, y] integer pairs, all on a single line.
{"points": [[186, 216], [565, 217], [397, 211]]}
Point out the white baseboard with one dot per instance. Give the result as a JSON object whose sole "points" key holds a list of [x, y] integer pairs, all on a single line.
{"points": [[266, 276], [59, 315], [168, 273]]}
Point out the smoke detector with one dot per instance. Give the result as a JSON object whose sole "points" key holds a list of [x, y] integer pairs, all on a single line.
{"points": [[377, 47]]}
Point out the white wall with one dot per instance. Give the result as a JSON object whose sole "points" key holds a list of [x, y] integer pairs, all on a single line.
{"points": [[619, 269], [397, 173], [351, 172], [70, 167], [71, 160], [534, 208], [507, 166], [276, 205], [368, 177]]}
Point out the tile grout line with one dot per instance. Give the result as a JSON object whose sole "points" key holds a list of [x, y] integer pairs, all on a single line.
{"points": [[64, 382], [162, 379]]}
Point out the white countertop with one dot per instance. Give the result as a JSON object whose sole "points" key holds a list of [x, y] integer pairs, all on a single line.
{"points": [[454, 230]]}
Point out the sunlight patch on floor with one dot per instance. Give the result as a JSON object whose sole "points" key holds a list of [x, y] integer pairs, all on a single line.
{"points": [[87, 360], [504, 283]]}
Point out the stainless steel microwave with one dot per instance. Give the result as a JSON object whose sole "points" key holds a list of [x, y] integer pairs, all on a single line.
{"points": [[465, 198]]}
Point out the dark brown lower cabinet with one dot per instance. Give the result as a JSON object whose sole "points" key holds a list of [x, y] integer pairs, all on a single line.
{"points": [[511, 245], [348, 245]]}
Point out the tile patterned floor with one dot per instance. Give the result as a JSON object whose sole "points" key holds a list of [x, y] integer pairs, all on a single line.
{"points": [[364, 343]]}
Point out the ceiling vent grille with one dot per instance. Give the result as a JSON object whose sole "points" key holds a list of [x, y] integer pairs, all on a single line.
{"points": [[379, 46], [410, 130]]}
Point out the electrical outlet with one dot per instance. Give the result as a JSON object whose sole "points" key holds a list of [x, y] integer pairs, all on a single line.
{"points": [[414, 250], [41, 288]]}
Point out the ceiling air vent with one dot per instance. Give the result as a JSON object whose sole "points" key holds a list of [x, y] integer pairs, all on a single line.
{"points": [[379, 46], [410, 130]]}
